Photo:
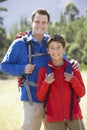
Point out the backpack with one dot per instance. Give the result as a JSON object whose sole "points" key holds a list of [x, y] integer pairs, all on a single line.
{"points": [[20, 79], [48, 70], [23, 80]]}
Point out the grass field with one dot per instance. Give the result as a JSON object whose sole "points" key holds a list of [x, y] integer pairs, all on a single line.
{"points": [[11, 107]]}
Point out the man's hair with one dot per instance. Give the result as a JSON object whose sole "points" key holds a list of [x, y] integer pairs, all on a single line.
{"points": [[42, 12], [56, 38]]}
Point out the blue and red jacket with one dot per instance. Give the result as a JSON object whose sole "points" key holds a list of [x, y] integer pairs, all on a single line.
{"points": [[59, 98]]}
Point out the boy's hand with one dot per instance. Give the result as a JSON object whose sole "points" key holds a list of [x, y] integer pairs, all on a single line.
{"points": [[68, 76], [50, 78]]}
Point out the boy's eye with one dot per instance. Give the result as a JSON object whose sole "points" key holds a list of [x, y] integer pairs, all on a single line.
{"points": [[55, 48], [51, 48], [59, 47]]}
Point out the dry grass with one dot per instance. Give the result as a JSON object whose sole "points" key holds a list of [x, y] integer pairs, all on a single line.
{"points": [[84, 100], [11, 109]]}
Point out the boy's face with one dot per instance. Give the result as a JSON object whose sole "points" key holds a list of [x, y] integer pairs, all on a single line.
{"points": [[56, 50]]}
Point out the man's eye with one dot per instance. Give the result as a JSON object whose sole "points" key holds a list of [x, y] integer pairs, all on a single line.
{"points": [[37, 22], [44, 23]]}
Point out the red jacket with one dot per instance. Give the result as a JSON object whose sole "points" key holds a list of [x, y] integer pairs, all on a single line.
{"points": [[58, 103]]}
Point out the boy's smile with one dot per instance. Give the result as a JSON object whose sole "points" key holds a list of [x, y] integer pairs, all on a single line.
{"points": [[56, 51]]}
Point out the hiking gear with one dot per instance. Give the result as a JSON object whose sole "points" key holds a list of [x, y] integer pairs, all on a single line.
{"points": [[22, 80], [58, 103], [26, 84], [31, 54], [49, 70], [68, 69], [17, 57], [21, 34]]}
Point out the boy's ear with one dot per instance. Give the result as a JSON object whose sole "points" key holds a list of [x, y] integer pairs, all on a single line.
{"points": [[65, 49]]}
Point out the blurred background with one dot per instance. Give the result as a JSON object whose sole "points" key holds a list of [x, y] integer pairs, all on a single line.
{"points": [[68, 17]]}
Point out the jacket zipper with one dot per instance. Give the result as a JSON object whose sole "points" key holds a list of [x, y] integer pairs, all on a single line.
{"points": [[61, 95]]}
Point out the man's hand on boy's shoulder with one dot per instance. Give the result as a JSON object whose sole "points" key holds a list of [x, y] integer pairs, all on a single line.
{"points": [[75, 64]]}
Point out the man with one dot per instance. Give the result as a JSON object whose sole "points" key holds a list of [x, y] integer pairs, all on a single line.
{"points": [[17, 63]]}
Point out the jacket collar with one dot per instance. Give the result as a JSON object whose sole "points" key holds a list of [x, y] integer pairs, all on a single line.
{"points": [[66, 64], [31, 38]]}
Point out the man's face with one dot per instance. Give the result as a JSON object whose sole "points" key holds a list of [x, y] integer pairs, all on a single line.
{"points": [[39, 24]]}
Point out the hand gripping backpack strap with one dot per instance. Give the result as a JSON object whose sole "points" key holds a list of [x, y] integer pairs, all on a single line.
{"points": [[27, 83]]}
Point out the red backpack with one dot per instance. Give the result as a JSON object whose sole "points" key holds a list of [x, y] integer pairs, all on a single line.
{"points": [[19, 35]]}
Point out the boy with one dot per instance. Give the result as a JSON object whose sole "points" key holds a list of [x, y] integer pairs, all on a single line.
{"points": [[61, 85]]}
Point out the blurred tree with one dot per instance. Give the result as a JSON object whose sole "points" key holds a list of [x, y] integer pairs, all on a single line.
{"points": [[23, 26], [80, 38], [69, 33], [2, 9], [84, 56], [74, 52], [86, 11], [13, 32], [62, 18], [71, 11], [4, 42], [3, 35]]}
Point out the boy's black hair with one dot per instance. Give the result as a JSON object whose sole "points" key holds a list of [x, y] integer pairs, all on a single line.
{"points": [[56, 38]]}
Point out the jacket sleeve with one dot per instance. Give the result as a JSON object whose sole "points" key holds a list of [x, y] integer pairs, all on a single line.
{"points": [[77, 84], [10, 64], [43, 86]]}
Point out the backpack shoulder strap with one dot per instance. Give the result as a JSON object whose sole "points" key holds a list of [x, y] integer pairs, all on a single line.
{"points": [[30, 50], [24, 78], [48, 69], [68, 69]]}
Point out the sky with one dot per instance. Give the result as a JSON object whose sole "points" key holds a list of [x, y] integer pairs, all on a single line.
{"points": [[24, 8]]}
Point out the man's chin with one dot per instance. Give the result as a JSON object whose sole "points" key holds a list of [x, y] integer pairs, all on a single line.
{"points": [[39, 33]]}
